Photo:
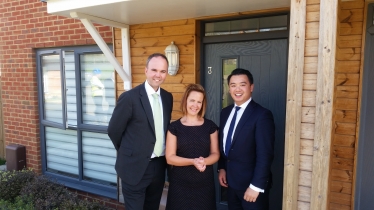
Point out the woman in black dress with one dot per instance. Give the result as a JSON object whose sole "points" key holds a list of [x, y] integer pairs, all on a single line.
{"points": [[191, 151]]}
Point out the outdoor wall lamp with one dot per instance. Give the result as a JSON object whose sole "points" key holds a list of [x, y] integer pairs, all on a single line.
{"points": [[172, 53]]}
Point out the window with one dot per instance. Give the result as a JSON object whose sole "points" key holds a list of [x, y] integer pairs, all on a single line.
{"points": [[252, 25], [76, 100]]}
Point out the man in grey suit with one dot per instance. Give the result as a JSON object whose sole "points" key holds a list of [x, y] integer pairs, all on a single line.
{"points": [[137, 129]]}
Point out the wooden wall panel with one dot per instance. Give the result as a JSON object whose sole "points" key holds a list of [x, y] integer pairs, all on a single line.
{"points": [[308, 110], [296, 63], [348, 65], [347, 79], [308, 114], [348, 54], [305, 178], [335, 206], [344, 140], [310, 65], [306, 147], [310, 82], [342, 187], [309, 98], [304, 194], [303, 205], [149, 38]]}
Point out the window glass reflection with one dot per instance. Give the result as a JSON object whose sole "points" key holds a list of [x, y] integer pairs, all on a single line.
{"points": [[98, 90], [250, 25], [227, 66], [52, 96]]}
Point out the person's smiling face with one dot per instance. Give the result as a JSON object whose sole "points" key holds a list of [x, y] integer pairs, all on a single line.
{"points": [[240, 89], [194, 103], [156, 72]]}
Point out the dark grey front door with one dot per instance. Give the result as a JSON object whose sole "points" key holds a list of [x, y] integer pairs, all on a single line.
{"points": [[267, 61], [365, 167]]}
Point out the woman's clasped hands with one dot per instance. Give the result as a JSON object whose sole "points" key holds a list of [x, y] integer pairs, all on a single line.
{"points": [[199, 163]]}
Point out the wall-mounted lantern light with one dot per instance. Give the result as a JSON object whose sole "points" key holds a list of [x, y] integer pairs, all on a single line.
{"points": [[172, 53]]}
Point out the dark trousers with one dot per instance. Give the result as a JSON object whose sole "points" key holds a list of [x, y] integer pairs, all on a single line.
{"points": [[235, 200], [147, 193]]}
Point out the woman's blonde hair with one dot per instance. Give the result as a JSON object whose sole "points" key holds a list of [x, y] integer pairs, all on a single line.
{"points": [[190, 88]]}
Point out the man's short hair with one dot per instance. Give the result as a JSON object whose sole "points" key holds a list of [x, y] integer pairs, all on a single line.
{"points": [[154, 55], [239, 71]]}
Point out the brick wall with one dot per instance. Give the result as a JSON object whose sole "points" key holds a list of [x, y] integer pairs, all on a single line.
{"points": [[25, 26]]}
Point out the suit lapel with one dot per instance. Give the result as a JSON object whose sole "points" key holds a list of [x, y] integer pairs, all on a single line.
{"points": [[146, 106], [165, 108], [247, 113]]}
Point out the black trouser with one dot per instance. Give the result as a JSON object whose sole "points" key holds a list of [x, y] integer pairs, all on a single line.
{"points": [[235, 200], [147, 193]]}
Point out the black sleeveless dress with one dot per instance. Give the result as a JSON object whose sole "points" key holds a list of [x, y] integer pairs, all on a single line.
{"points": [[189, 188]]}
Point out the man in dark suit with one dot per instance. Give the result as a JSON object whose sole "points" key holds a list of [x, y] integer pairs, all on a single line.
{"points": [[246, 145], [137, 129]]}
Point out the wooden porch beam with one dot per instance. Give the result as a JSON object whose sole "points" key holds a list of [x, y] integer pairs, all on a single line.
{"points": [[294, 103], [124, 72], [324, 103]]}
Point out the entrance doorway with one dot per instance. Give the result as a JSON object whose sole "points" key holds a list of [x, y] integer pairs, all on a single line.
{"points": [[267, 61]]}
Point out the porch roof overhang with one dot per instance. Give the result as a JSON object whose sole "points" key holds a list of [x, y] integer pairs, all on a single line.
{"points": [[145, 11], [121, 13]]}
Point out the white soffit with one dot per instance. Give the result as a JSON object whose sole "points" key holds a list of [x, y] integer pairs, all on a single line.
{"points": [[145, 11]]}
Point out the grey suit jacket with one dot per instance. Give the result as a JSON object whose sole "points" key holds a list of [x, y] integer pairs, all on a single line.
{"points": [[132, 131]]}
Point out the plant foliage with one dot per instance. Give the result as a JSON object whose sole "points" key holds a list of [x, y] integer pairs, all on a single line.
{"points": [[12, 182], [27, 191]]}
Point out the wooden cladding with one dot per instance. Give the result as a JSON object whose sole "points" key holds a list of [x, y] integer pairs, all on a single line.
{"points": [[345, 107], [149, 38], [348, 57], [303, 95]]}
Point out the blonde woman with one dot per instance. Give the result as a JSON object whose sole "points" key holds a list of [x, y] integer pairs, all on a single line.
{"points": [[191, 150]]}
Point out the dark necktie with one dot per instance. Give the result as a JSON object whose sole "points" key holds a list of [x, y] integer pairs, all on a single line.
{"points": [[229, 133]]}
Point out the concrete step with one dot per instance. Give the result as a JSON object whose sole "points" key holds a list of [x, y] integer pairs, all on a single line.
{"points": [[3, 168]]}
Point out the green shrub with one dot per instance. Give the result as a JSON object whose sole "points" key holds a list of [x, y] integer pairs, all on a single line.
{"points": [[18, 204], [44, 193], [11, 183], [27, 191]]}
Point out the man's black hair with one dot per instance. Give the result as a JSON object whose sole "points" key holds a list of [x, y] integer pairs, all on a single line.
{"points": [[239, 71]]}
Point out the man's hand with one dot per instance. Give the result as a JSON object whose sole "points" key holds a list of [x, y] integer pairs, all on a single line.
{"points": [[222, 178], [250, 195]]}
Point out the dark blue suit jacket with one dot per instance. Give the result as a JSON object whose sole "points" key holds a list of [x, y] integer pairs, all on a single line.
{"points": [[132, 131], [252, 148]]}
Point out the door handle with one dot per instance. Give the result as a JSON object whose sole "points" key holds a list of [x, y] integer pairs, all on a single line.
{"points": [[209, 70]]}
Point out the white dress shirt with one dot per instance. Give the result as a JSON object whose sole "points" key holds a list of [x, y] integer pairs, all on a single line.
{"points": [[226, 129], [151, 91]]}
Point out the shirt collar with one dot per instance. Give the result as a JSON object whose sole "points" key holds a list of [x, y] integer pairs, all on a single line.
{"points": [[150, 89], [245, 104]]}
